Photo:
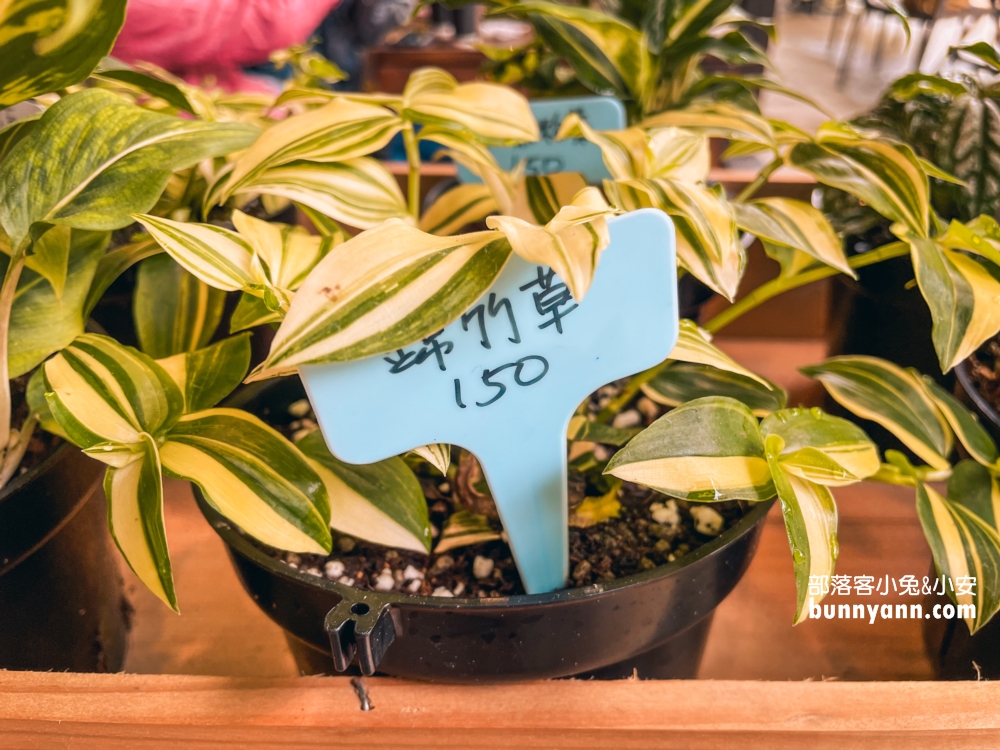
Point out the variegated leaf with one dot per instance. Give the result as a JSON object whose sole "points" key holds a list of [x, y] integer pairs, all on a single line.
{"points": [[465, 528], [720, 120], [883, 174], [288, 253], [964, 546], [437, 455], [695, 345], [684, 381], [135, 518], [206, 376], [978, 489], [380, 502], [626, 153], [571, 244], [253, 476], [709, 449], [358, 192], [251, 312], [810, 516], [963, 296], [93, 160], [880, 391], [539, 198], [845, 453], [381, 290], [100, 391], [339, 131], [971, 434], [457, 208], [489, 113], [174, 311], [794, 224]]}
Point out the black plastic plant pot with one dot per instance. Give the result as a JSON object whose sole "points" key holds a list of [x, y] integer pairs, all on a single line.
{"points": [[62, 601], [654, 622], [969, 394]]}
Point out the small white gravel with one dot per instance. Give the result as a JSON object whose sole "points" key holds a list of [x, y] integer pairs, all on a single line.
{"points": [[413, 574], [334, 569], [601, 453], [443, 563], [300, 408], [314, 572], [648, 408], [385, 581], [630, 418], [444, 487], [414, 586], [442, 591], [292, 559], [299, 434], [666, 514], [482, 567], [459, 589], [346, 580], [707, 520]]}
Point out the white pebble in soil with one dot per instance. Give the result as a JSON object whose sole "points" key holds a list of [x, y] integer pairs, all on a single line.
{"points": [[299, 434], [314, 572], [385, 581], [300, 408], [444, 488], [413, 574], [707, 520], [482, 567], [630, 418], [334, 569], [414, 586], [459, 589], [666, 514], [648, 408], [601, 453], [443, 563], [442, 591], [346, 580]]}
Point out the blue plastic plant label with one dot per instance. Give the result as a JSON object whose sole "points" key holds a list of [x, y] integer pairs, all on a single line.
{"points": [[547, 156], [504, 379]]}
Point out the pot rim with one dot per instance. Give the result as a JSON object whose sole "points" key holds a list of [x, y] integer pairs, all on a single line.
{"points": [[22, 480], [984, 406], [227, 531]]}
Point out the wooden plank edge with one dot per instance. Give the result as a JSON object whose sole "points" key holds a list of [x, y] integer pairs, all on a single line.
{"points": [[35, 704]]}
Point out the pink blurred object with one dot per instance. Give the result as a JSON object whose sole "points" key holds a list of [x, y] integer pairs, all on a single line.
{"points": [[197, 39]]}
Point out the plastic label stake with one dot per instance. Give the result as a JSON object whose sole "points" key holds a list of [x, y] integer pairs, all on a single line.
{"points": [[504, 379], [548, 155]]}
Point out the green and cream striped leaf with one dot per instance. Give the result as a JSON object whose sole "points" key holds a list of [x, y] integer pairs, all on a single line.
{"points": [[359, 192], [437, 455], [217, 256], [253, 476], [113, 263], [288, 253], [679, 154], [810, 516], [48, 45], [694, 345], [490, 113], [135, 519], [608, 55], [463, 529], [462, 205], [684, 381], [100, 391], [822, 448], [971, 434], [382, 290], [251, 312], [174, 312], [978, 489], [479, 160], [963, 545], [539, 198], [592, 431], [206, 376], [707, 239], [326, 226], [963, 297], [571, 244], [719, 120], [981, 236], [883, 174], [339, 131], [794, 224], [626, 153], [93, 160], [878, 390], [381, 502], [709, 449]]}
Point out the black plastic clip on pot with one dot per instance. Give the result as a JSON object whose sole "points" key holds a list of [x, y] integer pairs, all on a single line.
{"points": [[361, 626]]}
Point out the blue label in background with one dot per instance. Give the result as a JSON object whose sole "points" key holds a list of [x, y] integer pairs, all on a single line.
{"points": [[504, 379], [548, 155]]}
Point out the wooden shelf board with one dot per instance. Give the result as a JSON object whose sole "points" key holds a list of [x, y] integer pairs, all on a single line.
{"points": [[119, 711]]}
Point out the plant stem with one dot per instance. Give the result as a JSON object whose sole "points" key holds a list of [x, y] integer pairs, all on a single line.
{"points": [[413, 179], [759, 181], [7, 291], [759, 295], [13, 459], [783, 284]]}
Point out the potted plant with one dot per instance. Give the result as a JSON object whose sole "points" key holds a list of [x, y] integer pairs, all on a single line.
{"points": [[67, 179]]}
